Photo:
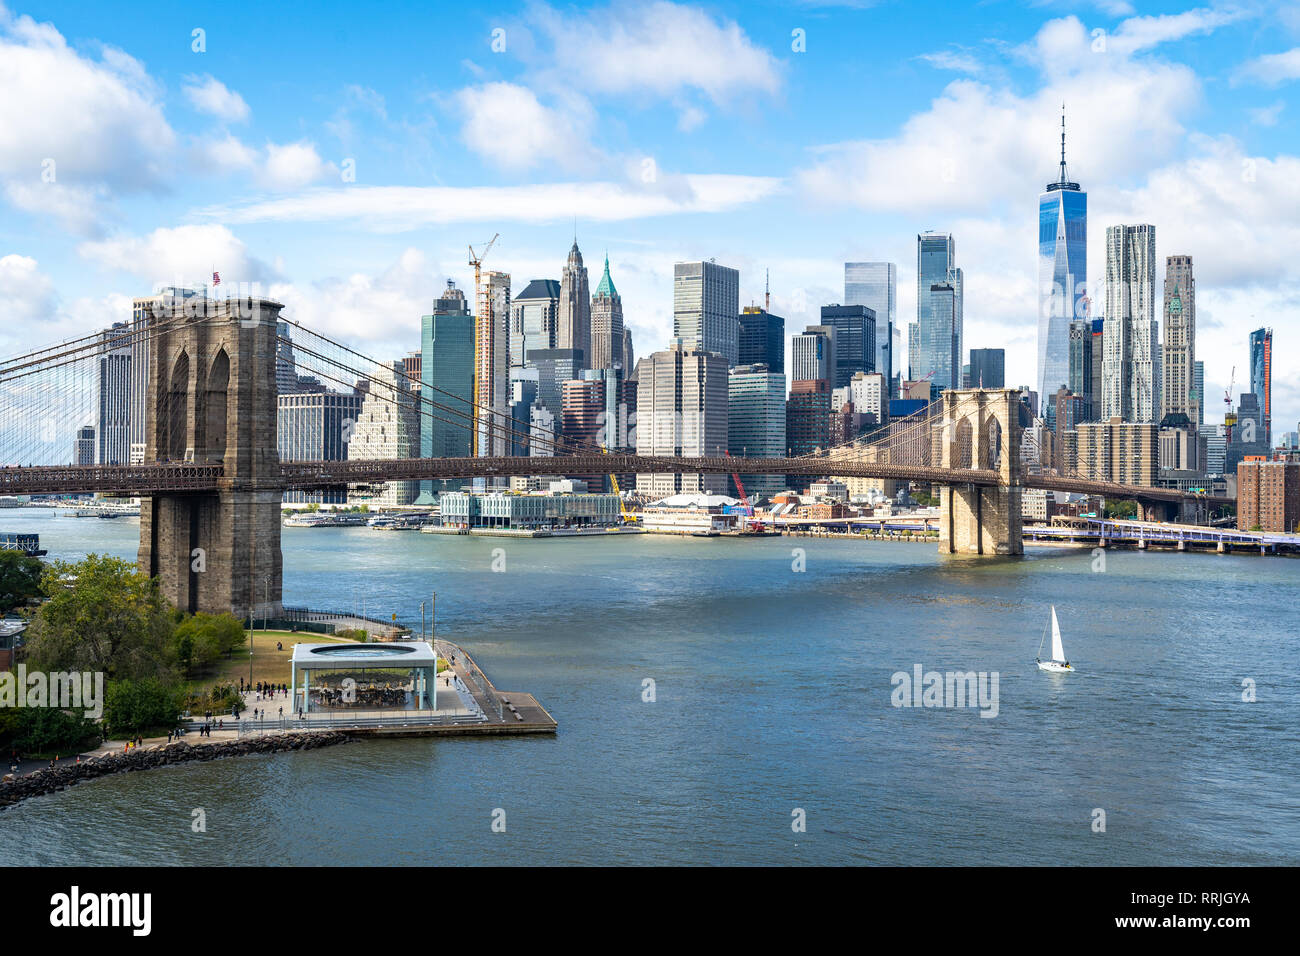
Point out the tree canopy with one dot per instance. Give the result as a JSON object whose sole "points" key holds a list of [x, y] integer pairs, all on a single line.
{"points": [[102, 614], [20, 579]]}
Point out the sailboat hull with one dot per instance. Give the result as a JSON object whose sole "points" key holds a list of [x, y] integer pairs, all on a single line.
{"points": [[1055, 667]]}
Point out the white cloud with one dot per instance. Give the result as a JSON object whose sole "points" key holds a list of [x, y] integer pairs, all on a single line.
{"points": [[507, 124], [209, 95], [26, 294], [396, 208], [75, 121], [381, 310], [1272, 69], [183, 255], [1143, 33], [1266, 115], [660, 48], [294, 165], [78, 208], [959, 61]]}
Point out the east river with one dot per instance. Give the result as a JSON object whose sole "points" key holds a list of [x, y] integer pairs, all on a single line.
{"points": [[773, 703]]}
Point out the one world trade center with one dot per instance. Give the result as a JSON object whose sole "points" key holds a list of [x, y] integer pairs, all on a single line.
{"points": [[1062, 278]]}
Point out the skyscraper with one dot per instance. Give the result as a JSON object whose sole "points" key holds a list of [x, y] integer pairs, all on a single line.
{"points": [[606, 324], [682, 410], [387, 426], [554, 368], [573, 329], [913, 351], [808, 416], [1129, 349], [1261, 377], [874, 284], [855, 340], [446, 377], [1080, 379], [1062, 273], [1178, 351], [629, 357], [113, 399], [706, 308], [812, 354], [988, 368], [492, 364], [756, 422], [1198, 383], [534, 319], [762, 339], [317, 426], [938, 310]]}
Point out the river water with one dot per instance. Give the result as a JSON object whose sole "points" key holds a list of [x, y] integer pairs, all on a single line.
{"points": [[772, 705]]}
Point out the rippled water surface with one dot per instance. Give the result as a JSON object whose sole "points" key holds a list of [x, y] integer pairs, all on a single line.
{"points": [[773, 694]]}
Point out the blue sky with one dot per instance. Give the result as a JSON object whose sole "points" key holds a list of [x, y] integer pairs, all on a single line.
{"points": [[342, 156]]}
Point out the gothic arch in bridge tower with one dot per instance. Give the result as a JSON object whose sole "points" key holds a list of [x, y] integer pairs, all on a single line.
{"points": [[964, 450], [991, 447], [980, 512], [215, 407], [177, 420]]}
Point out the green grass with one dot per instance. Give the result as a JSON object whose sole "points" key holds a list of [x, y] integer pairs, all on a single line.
{"points": [[269, 665]]}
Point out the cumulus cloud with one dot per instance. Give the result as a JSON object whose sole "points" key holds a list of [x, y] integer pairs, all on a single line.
{"points": [[183, 255], [658, 47], [641, 51], [209, 95], [506, 124], [294, 165], [379, 309], [26, 294], [72, 120]]}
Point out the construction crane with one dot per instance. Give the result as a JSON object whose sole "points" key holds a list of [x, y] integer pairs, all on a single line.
{"points": [[1229, 419], [476, 260], [628, 517], [744, 498]]}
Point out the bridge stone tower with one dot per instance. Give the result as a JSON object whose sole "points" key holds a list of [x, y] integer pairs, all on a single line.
{"points": [[211, 398], [980, 430]]}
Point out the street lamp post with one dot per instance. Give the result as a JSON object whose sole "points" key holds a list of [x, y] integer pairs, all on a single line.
{"points": [[421, 620]]}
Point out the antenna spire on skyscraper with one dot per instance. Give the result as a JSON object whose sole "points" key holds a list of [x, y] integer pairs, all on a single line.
{"points": [[1064, 177]]}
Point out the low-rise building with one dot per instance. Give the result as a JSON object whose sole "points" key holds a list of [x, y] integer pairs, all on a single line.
{"points": [[504, 510]]}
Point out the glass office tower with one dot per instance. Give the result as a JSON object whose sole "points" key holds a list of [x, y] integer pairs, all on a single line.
{"points": [[1261, 376], [938, 310], [447, 377], [1062, 274], [874, 284]]}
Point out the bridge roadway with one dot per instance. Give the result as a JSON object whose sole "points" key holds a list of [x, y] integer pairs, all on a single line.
{"points": [[180, 477]]}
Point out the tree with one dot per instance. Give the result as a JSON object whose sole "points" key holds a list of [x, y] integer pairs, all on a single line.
{"points": [[205, 638], [102, 615], [135, 706], [20, 579]]}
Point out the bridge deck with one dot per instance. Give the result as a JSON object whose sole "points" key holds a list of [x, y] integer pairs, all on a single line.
{"points": [[181, 477]]}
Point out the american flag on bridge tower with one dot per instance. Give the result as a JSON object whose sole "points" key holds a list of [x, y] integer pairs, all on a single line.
{"points": [[216, 278]]}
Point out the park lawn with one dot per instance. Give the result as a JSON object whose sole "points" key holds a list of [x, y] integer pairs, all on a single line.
{"points": [[269, 665]]}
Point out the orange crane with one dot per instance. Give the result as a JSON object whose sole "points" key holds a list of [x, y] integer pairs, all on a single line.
{"points": [[479, 313], [744, 498]]}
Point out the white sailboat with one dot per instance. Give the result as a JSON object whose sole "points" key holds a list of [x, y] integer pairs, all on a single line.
{"points": [[1057, 664]]}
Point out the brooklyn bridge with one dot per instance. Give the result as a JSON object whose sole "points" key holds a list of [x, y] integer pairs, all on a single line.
{"points": [[211, 480]]}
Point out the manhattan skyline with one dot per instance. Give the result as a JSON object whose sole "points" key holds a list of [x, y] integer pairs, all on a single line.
{"points": [[219, 159]]}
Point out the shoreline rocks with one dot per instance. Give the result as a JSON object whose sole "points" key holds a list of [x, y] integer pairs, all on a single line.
{"points": [[44, 782]]}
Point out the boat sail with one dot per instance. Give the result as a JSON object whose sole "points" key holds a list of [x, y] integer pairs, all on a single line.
{"points": [[1057, 663]]}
